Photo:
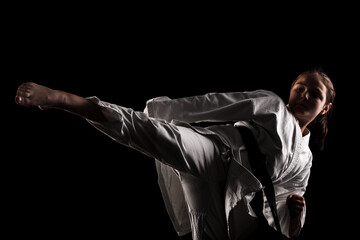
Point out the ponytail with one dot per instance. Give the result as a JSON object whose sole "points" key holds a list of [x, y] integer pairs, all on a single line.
{"points": [[319, 126], [319, 129]]}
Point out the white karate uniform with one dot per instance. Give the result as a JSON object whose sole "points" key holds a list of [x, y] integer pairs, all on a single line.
{"points": [[204, 174]]}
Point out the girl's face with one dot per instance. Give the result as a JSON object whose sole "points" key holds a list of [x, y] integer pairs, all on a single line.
{"points": [[308, 98]]}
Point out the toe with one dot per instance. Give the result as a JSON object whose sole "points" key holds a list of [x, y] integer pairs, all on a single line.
{"points": [[18, 99]]}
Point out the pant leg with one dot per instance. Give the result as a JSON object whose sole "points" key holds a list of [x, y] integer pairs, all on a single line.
{"points": [[180, 147]]}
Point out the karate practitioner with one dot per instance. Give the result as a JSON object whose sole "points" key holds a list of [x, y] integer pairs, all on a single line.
{"points": [[204, 173]]}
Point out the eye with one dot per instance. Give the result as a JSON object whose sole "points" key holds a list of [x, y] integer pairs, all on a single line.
{"points": [[316, 94], [299, 89]]}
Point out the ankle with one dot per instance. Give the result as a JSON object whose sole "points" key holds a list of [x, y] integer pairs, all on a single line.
{"points": [[57, 99]]}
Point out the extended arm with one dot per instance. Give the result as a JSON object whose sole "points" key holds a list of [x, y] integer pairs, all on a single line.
{"points": [[212, 107], [34, 95]]}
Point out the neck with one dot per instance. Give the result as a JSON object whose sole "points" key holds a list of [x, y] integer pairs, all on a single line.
{"points": [[303, 127]]}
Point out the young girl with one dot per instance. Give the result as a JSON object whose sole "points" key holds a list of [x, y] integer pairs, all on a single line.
{"points": [[204, 173]]}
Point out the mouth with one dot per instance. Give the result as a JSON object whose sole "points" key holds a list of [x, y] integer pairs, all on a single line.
{"points": [[300, 104]]}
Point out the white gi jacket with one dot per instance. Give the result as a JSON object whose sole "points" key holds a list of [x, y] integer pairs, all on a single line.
{"points": [[264, 113]]}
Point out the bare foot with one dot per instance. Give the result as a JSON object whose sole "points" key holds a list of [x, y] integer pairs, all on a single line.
{"points": [[30, 94]]}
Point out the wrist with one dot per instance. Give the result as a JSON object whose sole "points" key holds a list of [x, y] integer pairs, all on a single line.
{"points": [[295, 226]]}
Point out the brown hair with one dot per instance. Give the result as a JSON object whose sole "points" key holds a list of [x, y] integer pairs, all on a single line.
{"points": [[319, 126]]}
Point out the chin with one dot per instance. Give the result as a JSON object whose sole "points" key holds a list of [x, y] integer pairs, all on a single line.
{"points": [[300, 114]]}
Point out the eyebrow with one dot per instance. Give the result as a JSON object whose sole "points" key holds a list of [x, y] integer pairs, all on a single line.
{"points": [[316, 88], [303, 84]]}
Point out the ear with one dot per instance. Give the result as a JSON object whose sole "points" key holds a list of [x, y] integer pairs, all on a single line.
{"points": [[326, 108]]}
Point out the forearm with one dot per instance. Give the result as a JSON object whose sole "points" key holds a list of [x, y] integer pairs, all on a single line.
{"points": [[296, 207], [295, 226]]}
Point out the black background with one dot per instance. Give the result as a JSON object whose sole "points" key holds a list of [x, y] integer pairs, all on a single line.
{"points": [[63, 178]]}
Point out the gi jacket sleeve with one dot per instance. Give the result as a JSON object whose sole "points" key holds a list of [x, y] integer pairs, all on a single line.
{"points": [[212, 107]]}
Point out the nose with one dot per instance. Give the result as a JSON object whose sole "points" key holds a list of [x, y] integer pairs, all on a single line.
{"points": [[305, 94]]}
